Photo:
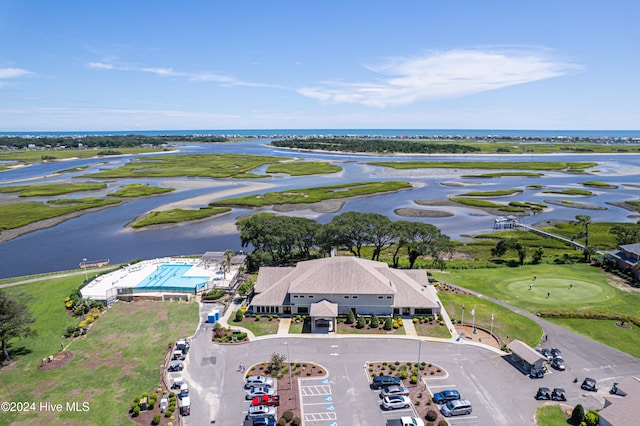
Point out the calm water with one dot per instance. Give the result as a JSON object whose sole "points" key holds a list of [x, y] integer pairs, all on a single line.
{"points": [[102, 234]]}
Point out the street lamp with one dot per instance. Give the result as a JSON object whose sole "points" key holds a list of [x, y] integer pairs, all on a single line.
{"points": [[84, 265], [419, 351], [289, 361]]}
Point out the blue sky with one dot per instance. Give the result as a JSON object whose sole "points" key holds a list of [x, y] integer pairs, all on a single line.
{"points": [[469, 64]]}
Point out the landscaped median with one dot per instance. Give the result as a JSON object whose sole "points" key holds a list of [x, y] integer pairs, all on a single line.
{"points": [[413, 375]]}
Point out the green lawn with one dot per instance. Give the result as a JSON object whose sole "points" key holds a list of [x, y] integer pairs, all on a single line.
{"points": [[259, 328], [550, 415], [117, 360], [506, 323], [591, 292]]}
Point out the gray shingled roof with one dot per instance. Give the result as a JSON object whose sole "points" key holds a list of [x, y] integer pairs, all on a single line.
{"points": [[623, 410], [324, 308], [344, 275]]}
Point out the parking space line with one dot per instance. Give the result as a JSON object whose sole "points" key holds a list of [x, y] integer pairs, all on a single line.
{"points": [[319, 416]]}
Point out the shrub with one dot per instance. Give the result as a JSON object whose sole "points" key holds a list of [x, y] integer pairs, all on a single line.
{"points": [[375, 322], [156, 419], [592, 418], [296, 421], [136, 411], [431, 415], [239, 316], [443, 423], [282, 422], [287, 415], [388, 324], [351, 317], [577, 415], [361, 322]]}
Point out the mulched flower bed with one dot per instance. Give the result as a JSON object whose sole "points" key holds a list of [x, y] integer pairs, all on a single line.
{"points": [[58, 360], [289, 394], [418, 392]]}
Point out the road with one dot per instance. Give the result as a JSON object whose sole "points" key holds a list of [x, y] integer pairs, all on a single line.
{"points": [[500, 393]]}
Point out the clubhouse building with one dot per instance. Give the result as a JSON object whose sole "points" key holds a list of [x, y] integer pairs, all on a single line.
{"points": [[332, 286]]}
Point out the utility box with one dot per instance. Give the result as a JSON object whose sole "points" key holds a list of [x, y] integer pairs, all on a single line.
{"points": [[213, 316]]}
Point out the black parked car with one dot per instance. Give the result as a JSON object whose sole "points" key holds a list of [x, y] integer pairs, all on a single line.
{"points": [[558, 394], [543, 393], [176, 367], [589, 385], [558, 364], [380, 382]]}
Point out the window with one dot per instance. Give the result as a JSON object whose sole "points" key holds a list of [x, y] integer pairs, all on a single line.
{"points": [[380, 297], [354, 297], [311, 296], [303, 310], [388, 297], [346, 297]]}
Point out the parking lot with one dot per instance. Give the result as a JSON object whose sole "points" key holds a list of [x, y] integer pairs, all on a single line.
{"points": [[317, 403]]}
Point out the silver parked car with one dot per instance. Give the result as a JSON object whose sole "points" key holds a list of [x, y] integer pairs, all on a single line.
{"points": [[260, 391], [394, 390], [258, 382]]}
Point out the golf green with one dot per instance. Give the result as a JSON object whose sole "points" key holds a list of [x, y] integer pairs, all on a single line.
{"points": [[558, 292]]}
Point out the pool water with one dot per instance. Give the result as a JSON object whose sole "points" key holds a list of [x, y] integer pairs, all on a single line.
{"points": [[171, 277]]}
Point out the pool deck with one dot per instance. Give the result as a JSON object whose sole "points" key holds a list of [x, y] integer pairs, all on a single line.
{"points": [[132, 275]]}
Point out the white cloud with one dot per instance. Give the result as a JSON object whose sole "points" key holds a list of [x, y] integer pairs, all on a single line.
{"points": [[14, 73], [170, 72], [440, 75]]}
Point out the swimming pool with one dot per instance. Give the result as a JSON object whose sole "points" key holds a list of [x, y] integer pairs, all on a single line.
{"points": [[171, 277]]}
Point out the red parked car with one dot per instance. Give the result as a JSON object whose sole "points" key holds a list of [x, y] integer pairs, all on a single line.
{"points": [[266, 400]]}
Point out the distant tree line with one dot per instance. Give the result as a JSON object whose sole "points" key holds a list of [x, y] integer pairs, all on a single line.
{"points": [[375, 145], [111, 141], [283, 239]]}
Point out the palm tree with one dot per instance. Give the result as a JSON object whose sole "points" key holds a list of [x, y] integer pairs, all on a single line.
{"points": [[228, 254], [584, 221]]}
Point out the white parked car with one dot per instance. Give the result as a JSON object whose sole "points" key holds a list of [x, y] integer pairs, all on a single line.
{"points": [[262, 411], [260, 391], [396, 401]]}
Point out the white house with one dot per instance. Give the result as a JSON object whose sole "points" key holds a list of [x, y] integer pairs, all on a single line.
{"points": [[325, 288]]}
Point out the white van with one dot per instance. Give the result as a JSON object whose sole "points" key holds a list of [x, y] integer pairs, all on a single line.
{"points": [[456, 408]]}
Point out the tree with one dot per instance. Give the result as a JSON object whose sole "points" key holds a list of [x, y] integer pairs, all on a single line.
{"points": [[537, 256], [577, 415], [419, 239], [228, 254], [348, 229], [507, 244], [276, 362], [14, 321], [583, 221], [351, 317], [626, 234]]}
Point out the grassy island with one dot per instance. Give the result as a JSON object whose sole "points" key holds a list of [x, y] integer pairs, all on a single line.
{"points": [[314, 195], [502, 165], [179, 215], [139, 190], [51, 189], [20, 214], [303, 168]]}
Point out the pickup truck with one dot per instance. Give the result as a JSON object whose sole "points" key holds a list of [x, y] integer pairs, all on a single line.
{"points": [[405, 421], [266, 400]]}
